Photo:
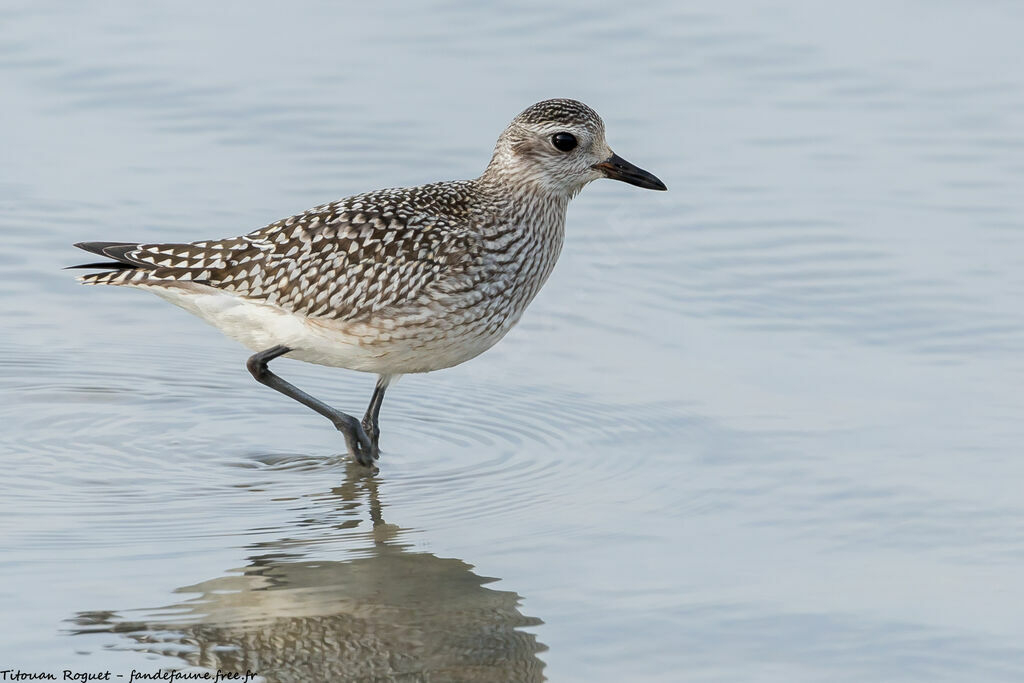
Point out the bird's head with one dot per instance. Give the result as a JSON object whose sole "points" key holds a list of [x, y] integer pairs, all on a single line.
{"points": [[558, 146]]}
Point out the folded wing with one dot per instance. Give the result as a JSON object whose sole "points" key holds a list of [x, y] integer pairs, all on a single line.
{"points": [[344, 260]]}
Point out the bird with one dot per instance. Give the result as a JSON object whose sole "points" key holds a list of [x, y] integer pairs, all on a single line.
{"points": [[393, 281]]}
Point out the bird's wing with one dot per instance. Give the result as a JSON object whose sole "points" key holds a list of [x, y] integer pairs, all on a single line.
{"points": [[344, 260]]}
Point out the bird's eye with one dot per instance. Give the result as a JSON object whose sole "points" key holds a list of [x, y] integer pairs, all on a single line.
{"points": [[564, 141]]}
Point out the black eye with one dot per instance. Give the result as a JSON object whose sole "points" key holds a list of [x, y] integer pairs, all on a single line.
{"points": [[564, 141]]}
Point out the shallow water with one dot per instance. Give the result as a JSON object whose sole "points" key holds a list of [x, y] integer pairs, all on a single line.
{"points": [[764, 426]]}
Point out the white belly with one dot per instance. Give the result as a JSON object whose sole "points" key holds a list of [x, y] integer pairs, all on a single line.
{"points": [[352, 345]]}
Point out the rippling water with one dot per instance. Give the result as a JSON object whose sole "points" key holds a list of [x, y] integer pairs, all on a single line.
{"points": [[765, 426]]}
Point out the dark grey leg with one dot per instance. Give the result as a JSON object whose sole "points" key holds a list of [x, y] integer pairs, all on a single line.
{"points": [[371, 424], [359, 445]]}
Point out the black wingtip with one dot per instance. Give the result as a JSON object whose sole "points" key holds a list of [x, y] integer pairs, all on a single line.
{"points": [[116, 251], [104, 265], [95, 247], [110, 250]]}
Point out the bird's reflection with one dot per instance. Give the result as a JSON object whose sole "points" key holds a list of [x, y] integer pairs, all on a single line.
{"points": [[388, 614]]}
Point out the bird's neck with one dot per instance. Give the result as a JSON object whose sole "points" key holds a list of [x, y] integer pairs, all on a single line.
{"points": [[537, 214], [524, 199], [526, 233]]}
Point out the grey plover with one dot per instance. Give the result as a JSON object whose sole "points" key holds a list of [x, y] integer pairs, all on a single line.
{"points": [[393, 281]]}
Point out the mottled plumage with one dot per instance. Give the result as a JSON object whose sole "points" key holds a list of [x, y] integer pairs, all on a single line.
{"points": [[392, 281], [343, 260]]}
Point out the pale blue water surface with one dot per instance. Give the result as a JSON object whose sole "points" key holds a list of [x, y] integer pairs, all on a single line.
{"points": [[763, 427]]}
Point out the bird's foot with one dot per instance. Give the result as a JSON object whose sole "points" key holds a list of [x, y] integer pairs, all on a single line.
{"points": [[372, 430], [362, 449]]}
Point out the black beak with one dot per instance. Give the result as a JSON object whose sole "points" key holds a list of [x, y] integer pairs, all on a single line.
{"points": [[617, 168]]}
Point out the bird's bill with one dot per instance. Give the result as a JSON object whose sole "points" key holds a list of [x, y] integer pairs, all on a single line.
{"points": [[617, 168]]}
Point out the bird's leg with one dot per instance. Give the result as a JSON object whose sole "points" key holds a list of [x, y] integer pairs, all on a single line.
{"points": [[359, 445], [371, 424]]}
